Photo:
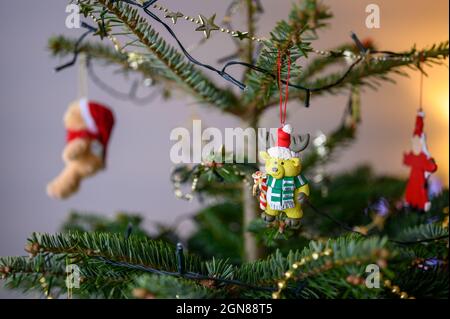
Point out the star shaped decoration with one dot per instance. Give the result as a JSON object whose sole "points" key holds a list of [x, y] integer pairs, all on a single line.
{"points": [[240, 35], [207, 26], [174, 16]]}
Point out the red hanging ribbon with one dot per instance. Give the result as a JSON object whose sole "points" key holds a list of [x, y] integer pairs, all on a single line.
{"points": [[421, 60], [283, 110]]}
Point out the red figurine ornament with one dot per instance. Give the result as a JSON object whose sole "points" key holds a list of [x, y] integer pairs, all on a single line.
{"points": [[422, 165]]}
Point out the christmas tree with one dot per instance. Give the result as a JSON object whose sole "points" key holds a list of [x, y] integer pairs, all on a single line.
{"points": [[354, 223]]}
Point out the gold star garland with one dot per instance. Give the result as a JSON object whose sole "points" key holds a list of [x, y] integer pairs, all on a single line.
{"points": [[207, 24], [135, 59]]}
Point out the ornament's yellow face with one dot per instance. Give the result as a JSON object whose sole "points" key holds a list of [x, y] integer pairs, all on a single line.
{"points": [[279, 168]]}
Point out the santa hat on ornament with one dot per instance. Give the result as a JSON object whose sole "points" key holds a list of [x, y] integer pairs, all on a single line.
{"points": [[418, 132], [282, 149], [99, 120]]}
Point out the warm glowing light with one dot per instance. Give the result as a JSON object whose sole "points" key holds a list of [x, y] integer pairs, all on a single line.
{"points": [[436, 105], [442, 105]]}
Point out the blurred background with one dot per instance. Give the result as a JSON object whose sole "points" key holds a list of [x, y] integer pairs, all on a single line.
{"points": [[33, 99]]}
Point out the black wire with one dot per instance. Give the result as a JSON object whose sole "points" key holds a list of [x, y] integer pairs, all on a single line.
{"points": [[131, 95], [297, 86], [350, 229], [187, 275], [145, 6], [334, 220], [76, 49]]}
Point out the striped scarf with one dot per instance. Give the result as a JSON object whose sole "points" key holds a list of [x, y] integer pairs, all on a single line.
{"points": [[280, 192]]}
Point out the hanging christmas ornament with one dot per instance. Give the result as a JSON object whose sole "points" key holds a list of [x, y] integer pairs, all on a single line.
{"points": [[282, 187], [88, 128], [422, 165]]}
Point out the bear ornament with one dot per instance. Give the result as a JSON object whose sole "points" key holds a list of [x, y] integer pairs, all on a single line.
{"points": [[282, 187], [88, 126]]}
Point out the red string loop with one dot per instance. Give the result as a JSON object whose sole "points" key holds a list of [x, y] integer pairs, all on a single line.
{"points": [[283, 109]]}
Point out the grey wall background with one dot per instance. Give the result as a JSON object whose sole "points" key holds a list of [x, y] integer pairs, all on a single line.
{"points": [[33, 99]]}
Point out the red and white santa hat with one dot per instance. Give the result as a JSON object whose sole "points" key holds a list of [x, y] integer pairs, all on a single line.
{"points": [[282, 149], [99, 120]]}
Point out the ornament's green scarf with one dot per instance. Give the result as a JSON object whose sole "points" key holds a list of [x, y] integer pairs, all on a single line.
{"points": [[280, 192]]}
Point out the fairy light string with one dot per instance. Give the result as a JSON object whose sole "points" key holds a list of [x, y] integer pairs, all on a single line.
{"points": [[225, 75], [396, 289], [420, 61]]}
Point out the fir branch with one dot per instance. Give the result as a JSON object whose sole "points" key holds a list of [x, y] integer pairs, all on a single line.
{"points": [[62, 46], [26, 273], [82, 222], [96, 280], [323, 277], [165, 62]]}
